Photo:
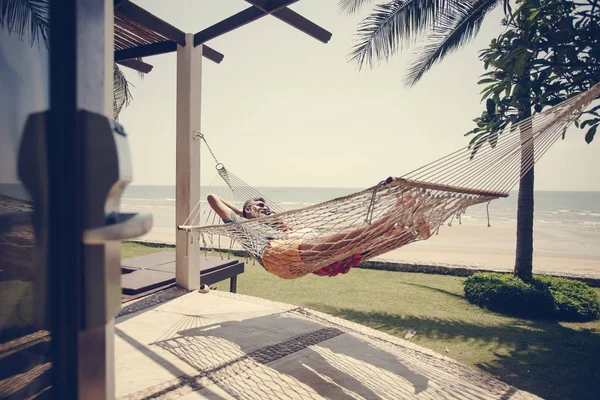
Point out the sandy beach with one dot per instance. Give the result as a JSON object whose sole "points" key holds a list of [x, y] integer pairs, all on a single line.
{"points": [[494, 248], [566, 251]]}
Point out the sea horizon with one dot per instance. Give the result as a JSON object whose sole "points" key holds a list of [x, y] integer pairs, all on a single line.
{"points": [[566, 225], [580, 208], [357, 188]]}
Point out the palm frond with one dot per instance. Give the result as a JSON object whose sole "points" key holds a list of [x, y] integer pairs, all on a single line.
{"points": [[452, 29], [121, 93], [391, 25], [27, 18], [140, 74], [351, 6]]}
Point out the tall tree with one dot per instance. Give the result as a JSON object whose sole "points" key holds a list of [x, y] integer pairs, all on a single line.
{"points": [[29, 20], [549, 53], [441, 26]]}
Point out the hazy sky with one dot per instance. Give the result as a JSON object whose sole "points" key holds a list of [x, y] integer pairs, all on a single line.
{"points": [[284, 109]]}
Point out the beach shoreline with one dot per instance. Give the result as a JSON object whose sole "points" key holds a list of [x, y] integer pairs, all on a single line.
{"points": [[567, 251]]}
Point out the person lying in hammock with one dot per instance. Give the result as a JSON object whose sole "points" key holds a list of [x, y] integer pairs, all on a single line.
{"points": [[294, 258]]}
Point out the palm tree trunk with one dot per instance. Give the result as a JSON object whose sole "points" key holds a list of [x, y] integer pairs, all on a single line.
{"points": [[524, 250]]}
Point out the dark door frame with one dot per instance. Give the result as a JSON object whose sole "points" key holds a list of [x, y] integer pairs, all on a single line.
{"points": [[64, 255], [77, 66]]}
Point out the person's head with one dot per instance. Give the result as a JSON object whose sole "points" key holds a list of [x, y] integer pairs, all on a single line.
{"points": [[255, 208]]}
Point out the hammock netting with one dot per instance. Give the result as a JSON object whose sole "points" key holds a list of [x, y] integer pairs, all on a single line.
{"points": [[333, 236]]}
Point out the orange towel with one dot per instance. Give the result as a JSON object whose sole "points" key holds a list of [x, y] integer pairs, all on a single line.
{"points": [[282, 258]]}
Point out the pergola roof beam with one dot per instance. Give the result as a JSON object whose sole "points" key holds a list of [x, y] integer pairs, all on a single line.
{"points": [[136, 65], [240, 19], [146, 50], [143, 17], [212, 54], [296, 20], [162, 48]]}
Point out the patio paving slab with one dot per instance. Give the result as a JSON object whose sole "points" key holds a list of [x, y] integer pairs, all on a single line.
{"points": [[229, 346]]}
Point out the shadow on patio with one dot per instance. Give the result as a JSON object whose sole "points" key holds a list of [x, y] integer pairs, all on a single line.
{"points": [[239, 353]]}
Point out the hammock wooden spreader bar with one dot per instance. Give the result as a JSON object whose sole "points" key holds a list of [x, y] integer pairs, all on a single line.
{"points": [[409, 183], [333, 236], [502, 158]]}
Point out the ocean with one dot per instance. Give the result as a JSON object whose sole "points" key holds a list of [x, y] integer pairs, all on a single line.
{"points": [[566, 223], [566, 229], [581, 209], [576, 209]]}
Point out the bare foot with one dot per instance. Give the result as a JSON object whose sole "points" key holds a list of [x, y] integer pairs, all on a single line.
{"points": [[423, 229]]}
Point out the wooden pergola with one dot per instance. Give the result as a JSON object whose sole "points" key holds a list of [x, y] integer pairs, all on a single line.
{"points": [[138, 33]]}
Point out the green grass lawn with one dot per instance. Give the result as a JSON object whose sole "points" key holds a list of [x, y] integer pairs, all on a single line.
{"points": [[16, 309], [552, 360]]}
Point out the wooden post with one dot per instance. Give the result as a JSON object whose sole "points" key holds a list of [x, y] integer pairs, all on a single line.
{"points": [[189, 91]]}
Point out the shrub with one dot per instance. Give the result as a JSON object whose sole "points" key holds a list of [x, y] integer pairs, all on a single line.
{"points": [[542, 297], [509, 295], [575, 301]]}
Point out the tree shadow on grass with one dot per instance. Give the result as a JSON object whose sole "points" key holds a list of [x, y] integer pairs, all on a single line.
{"points": [[438, 290], [545, 358]]}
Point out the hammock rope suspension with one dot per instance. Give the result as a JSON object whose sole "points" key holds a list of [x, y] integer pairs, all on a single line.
{"points": [[335, 235]]}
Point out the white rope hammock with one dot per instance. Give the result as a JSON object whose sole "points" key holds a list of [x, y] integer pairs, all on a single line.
{"points": [[333, 236]]}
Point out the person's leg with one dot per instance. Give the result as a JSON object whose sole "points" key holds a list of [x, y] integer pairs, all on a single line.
{"points": [[396, 238], [293, 258], [383, 230]]}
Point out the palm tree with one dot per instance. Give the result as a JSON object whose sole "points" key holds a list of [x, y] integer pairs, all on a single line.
{"points": [[443, 25], [121, 93], [29, 19]]}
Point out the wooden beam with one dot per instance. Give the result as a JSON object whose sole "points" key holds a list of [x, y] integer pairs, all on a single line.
{"points": [[294, 19], [212, 54], [240, 19], [137, 65], [227, 25], [150, 21], [187, 160], [402, 182], [167, 46], [262, 4], [146, 50], [119, 3], [302, 24]]}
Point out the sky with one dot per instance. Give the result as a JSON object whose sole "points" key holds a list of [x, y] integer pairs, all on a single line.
{"points": [[284, 109]]}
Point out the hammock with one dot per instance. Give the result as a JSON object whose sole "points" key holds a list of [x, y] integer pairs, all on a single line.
{"points": [[331, 237]]}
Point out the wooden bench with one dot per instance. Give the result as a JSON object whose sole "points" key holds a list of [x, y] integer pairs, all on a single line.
{"points": [[145, 273]]}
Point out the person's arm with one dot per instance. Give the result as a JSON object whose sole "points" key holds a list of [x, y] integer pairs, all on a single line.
{"points": [[222, 207]]}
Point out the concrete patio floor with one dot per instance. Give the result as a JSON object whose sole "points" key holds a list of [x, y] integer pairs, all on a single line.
{"points": [[230, 346]]}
